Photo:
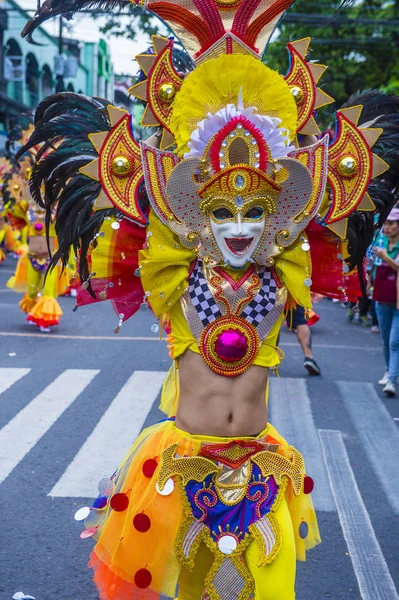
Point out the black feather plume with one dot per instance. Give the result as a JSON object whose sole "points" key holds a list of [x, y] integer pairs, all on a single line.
{"points": [[380, 110], [62, 125]]}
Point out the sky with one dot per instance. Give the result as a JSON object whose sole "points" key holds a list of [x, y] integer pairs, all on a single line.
{"points": [[86, 29]]}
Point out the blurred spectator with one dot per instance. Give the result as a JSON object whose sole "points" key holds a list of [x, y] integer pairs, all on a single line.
{"points": [[385, 296], [300, 324]]}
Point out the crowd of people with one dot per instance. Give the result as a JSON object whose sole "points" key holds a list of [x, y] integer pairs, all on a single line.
{"points": [[379, 308]]}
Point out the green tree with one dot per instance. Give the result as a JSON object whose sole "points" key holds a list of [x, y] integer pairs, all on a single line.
{"points": [[360, 45], [130, 22]]}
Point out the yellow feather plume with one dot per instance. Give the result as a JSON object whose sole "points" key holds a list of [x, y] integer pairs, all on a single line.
{"points": [[218, 82]]}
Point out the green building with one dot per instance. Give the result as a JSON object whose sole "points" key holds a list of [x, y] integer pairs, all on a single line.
{"points": [[28, 73]]}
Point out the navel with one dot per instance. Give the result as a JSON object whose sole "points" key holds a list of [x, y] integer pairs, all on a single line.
{"points": [[230, 418]]}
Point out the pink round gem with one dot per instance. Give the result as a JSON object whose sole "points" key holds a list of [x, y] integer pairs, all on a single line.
{"points": [[38, 227], [231, 345]]}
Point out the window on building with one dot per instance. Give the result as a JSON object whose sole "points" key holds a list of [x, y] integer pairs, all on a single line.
{"points": [[47, 81], [14, 70], [32, 80]]}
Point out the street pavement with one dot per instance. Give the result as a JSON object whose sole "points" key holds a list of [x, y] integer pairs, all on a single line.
{"points": [[73, 401]]}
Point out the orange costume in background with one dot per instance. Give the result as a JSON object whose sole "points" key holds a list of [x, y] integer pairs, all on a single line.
{"points": [[40, 291]]}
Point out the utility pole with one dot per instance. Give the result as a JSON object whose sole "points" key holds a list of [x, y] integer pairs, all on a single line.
{"points": [[60, 86], [3, 27]]}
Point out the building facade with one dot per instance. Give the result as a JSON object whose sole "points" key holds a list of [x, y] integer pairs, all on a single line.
{"points": [[28, 73]]}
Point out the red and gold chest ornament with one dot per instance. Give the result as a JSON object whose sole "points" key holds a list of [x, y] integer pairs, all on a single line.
{"points": [[229, 345], [229, 318]]}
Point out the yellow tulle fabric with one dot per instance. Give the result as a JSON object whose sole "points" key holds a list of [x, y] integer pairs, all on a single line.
{"points": [[164, 266], [8, 238], [100, 254], [121, 550], [27, 279], [293, 267], [19, 281], [216, 83], [63, 280]]}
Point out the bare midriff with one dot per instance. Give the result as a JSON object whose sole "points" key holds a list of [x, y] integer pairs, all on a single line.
{"points": [[215, 405]]}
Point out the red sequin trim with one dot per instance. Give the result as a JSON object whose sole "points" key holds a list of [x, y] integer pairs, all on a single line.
{"points": [[235, 284], [119, 502], [205, 498], [220, 452], [187, 20], [228, 128], [243, 16], [211, 17], [258, 496], [42, 322], [149, 467], [142, 523], [143, 579]]}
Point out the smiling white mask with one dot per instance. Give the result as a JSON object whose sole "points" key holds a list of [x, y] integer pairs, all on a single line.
{"points": [[238, 236]]}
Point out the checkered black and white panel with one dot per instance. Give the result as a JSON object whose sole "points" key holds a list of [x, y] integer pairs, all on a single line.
{"points": [[201, 297], [263, 303]]}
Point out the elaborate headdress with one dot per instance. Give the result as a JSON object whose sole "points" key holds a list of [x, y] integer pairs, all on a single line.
{"points": [[231, 134]]}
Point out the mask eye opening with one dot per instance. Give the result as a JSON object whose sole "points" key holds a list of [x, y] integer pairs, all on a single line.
{"points": [[255, 213], [222, 214]]}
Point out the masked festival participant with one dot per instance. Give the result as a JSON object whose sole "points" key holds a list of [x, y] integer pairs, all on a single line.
{"points": [[205, 224], [8, 242], [39, 302]]}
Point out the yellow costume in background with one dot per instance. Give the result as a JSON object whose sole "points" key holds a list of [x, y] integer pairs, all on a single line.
{"points": [[40, 291], [8, 241]]}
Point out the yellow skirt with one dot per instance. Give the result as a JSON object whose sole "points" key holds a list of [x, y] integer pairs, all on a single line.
{"points": [[176, 494]]}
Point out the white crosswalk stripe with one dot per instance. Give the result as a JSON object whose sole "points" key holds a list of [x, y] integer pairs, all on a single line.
{"points": [[371, 570], [10, 376], [291, 414], [111, 439], [378, 434], [21, 434]]}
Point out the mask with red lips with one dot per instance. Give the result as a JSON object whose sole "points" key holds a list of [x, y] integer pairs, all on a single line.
{"points": [[238, 235]]}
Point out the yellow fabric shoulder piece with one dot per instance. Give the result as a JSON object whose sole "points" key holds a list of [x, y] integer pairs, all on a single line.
{"points": [[164, 266], [292, 268]]}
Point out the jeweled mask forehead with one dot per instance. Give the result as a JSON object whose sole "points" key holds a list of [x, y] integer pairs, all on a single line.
{"points": [[239, 187], [239, 142]]}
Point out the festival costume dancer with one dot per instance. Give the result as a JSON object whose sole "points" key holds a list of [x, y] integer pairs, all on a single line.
{"points": [[39, 302], [212, 501], [8, 243]]}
